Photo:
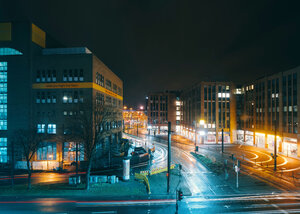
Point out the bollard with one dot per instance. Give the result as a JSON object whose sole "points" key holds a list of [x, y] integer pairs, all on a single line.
{"points": [[126, 169]]}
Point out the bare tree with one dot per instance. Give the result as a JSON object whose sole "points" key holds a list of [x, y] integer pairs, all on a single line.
{"points": [[28, 141], [90, 126]]}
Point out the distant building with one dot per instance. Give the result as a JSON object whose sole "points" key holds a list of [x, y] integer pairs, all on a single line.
{"points": [[162, 107], [42, 83], [133, 118], [209, 107], [271, 105]]}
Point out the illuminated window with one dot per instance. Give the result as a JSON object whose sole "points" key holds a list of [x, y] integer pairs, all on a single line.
{"points": [[9, 51], [3, 95], [51, 129], [40, 128], [47, 151], [3, 150], [70, 151]]}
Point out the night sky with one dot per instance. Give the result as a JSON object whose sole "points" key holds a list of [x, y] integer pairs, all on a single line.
{"points": [[169, 44]]}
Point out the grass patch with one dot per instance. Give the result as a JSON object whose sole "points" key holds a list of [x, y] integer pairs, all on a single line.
{"points": [[213, 166]]}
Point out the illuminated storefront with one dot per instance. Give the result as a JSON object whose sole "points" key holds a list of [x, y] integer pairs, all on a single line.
{"points": [[260, 140], [249, 138], [271, 142], [289, 147], [240, 136]]}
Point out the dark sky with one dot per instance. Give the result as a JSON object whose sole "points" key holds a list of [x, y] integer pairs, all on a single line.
{"points": [[171, 44]]}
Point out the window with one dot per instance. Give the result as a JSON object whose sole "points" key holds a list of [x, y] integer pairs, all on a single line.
{"points": [[81, 75], [108, 84], [40, 128], [76, 75], [3, 150], [3, 95], [47, 151], [43, 76], [75, 96], [65, 76], [115, 88], [54, 97], [49, 76], [38, 97], [38, 76], [51, 129], [54, 75], [70, 151], [70, 77], [9, 51]]}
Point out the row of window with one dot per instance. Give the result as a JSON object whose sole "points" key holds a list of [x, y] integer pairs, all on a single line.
{"points": [[68, 75], [3, 96], [51, 128]]}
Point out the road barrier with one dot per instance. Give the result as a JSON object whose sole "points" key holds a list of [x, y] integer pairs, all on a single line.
{"points": [[156, 170], [161, 169], [144, 179]]}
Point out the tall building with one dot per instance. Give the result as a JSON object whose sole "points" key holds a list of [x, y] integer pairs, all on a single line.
{"points": [[161, 108], [271, 106], [41, 85], [209, 107]]}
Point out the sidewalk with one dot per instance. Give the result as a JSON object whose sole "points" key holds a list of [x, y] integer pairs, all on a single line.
{"points": [[131, 189]]}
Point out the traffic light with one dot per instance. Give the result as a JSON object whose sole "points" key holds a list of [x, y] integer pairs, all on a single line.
{"points": [[180, 195]]}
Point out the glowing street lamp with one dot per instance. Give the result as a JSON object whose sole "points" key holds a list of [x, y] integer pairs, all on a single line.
{"points": [[141, 107], [202, 122]]}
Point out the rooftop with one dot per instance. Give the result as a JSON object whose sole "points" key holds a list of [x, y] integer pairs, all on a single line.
{"points": [[55, 51]]}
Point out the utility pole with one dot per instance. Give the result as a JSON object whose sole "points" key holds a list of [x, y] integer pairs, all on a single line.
{"points": [[275, 148], [222, 141], [77, 180], [169, 157]]}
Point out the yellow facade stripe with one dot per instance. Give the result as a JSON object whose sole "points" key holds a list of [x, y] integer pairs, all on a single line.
{"points": [[5, 31], [38, 36], [76, 85]]}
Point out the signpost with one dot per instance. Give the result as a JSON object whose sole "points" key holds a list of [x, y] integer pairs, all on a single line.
{"points": [[237, 169]]}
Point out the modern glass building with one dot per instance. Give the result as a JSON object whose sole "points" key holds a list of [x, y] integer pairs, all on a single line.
{"points": [[271, 106], [41, 83]]}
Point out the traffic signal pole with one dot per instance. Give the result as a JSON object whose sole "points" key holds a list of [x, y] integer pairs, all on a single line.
{"points": [[169, 157]]}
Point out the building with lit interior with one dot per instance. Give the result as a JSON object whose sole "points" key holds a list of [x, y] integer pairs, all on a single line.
{"points": [[161, 108], [42, 82], [209, 108], [271, 108], [133, 118]]}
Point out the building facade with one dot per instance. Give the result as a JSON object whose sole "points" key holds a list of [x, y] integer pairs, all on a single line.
{"points": [[209, 108], [271, 108], [161, 108], [42, 83]]}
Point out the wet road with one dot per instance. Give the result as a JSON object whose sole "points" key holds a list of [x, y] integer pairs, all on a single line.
{"points": [[283, 203]]}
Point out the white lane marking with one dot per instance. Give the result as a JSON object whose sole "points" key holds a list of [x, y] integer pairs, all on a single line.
{"points": [[275, 206]]}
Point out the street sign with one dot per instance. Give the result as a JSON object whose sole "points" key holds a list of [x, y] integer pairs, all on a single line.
{"points": [[236, 168]]}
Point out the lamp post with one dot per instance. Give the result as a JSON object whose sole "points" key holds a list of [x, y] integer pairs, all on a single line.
{"points": [[275, 147], [195, 134]]}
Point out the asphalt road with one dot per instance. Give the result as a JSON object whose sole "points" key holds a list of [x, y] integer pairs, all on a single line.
{"points": [[238, 204]]}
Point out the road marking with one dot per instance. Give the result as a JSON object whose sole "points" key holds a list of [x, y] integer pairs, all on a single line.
{"points": [[104, 212], [277, 207]]}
